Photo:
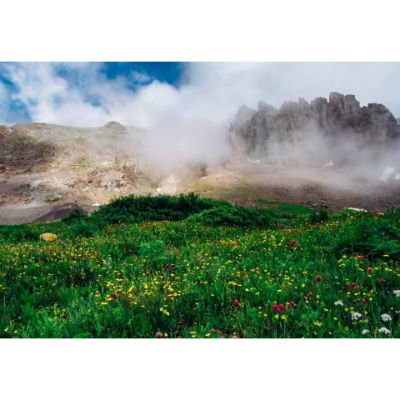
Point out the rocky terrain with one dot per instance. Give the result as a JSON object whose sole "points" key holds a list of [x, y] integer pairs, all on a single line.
{"points": [[327, 152], [340, 118]]}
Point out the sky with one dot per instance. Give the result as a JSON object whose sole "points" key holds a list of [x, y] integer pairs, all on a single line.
{"points": [[171, 96]]}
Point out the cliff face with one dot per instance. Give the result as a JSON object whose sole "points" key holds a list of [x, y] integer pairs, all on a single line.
{"points": [[339, 117]]}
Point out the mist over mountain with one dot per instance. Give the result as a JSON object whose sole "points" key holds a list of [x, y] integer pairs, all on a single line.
{"points": [[336, 121], [327, 152]]}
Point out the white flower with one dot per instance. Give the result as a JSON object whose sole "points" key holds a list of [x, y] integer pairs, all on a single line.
{"points": [[396, 293], [355, 316], [338, 303], [386, 317], [364, 331], [384, 330]]}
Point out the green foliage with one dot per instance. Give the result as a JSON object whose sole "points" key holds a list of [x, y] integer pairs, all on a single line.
{"points": [[234, 216], [369, 235], [319, 216], [108, 277], [132, 209], [16, 233]]}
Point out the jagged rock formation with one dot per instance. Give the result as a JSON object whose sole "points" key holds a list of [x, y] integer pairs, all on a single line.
{"points": [[339, 116]]}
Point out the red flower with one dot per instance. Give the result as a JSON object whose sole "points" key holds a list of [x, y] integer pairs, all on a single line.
{"points": [[173, 268], [369, 270], [236, 303], [166, 266], [363, 301], [278, 308], [309, 294], [318, 278], [292, 304], [381, 280], [292, 243]]}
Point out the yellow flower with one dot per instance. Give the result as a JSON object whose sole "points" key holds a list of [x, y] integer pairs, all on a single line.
{"points": [[164, 311]]}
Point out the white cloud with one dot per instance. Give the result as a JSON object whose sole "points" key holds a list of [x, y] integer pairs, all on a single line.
{"points": [[193, 118]]}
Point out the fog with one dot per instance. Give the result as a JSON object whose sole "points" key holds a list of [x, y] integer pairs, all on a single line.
{"points": [[189, 123]]}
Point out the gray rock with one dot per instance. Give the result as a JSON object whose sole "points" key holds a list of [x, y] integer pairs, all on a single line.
{"points": [[338, 116]]}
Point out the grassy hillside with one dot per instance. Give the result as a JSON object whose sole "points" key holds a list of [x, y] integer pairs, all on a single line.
{"points": [[190, 267]]}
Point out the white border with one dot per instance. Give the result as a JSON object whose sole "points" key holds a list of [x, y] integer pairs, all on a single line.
{"points": [[207, 30], [198, 369]]}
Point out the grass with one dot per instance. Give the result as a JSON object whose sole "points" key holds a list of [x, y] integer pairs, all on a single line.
{"points": [[189, 267]]}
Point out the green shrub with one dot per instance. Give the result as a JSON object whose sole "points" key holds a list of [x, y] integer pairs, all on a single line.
{"points": [[131, 209], [18, 233], [371, 236], [318, 216], [234, 216]]}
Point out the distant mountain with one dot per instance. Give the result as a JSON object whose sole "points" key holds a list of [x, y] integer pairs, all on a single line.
{"points": [[339, 116]]}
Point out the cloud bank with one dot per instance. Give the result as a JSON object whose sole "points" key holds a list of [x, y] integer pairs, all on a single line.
{"points": [[194, 117]]}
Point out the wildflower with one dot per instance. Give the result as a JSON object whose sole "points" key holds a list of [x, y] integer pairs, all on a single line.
{"points": [[166, 266], [364, 332], [396, 293], [369, 270], [338, 303], [381, 280], [292, 243], [384, 330], [318, 324], [165, 311], [236, 303], [292, 304], [159, 334], [278, 308], [363, 301], [173, 268], [213, 330], [386, 317], [355, 316], [318, 278], [309, 294]]}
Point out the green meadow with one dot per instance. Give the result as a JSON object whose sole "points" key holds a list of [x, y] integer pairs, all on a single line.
{"points": [[186, 267]]}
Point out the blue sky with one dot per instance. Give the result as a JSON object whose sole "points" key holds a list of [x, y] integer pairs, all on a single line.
{"points": [[14, 110], [181, 96]]}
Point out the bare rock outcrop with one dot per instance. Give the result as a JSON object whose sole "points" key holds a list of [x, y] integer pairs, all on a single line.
{"points": [[340, 116]]}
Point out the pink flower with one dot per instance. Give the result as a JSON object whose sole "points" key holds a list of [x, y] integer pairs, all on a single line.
{"points": [[278, 308], [159, 334], [309, 294], [318, 278], [292, 304], [236, 303]]}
